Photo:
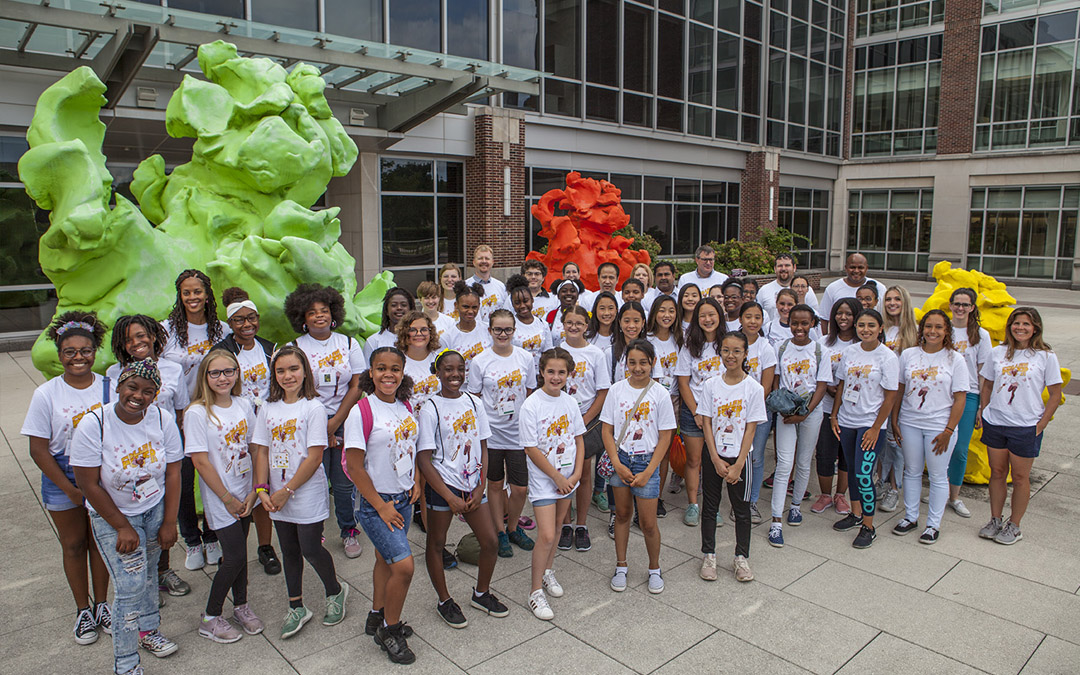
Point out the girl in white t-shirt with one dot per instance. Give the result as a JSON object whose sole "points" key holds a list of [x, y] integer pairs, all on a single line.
{"points": [[866, 388], [665, 334], [1013, 416], [732, 300], [638, 425], [778, 330], [601, 330], [900, 335], [396, 304], [732, 404], [972, 341], [218, 426], [55, 411], [531, 333], [288, 443], [449, 275], [551, 430], [689, 297], [428, 294], [830, 459], [127, 463], [930, 401], [452, 456], [468, 337], [761, 359], [418, 339], [380, 441]]}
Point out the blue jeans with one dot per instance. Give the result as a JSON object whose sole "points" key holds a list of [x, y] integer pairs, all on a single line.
{"points": [[892, 458], [861, 467], [637, 464], [135, 582], [343, 489], [392, 545], [757, 456], [958, 462]]}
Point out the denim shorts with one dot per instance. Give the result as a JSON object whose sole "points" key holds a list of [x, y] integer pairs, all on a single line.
{"points": [[56, 499], [637, 464], [549, 502], [392, 545], [1020, 441], [687, 425], [435, 502]]}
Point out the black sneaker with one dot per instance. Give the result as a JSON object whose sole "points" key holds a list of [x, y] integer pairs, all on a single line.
{"points": [[611, 525], [929, 536], [848, 522], [103, 617], [451, 614], [582, 542], [905, 526], [269, 560], [85, 630], [566, 538], [661, 510], [449, 562], [490, 604], [374, 620], [865, 538], [392, 641]]}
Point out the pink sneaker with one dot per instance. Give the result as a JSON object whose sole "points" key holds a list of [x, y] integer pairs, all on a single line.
{"points": [[244, 616], [823, 502], [526, 523], [841, 504]]}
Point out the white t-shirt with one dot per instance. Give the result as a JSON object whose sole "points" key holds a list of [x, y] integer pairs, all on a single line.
{"points": [[468, 343], [974, 356], [384, 338], [601, 341], [333, 362], [760, 357], [534, 338], [189, 357], [591, 374], [425, 383], [832, 356], [930, 380], [550, 425], [800, 368], [558, 333], [732, 326], [443, 323], [704, 284], [776, 332], [620, 370], [132, 457], [289, 430], [866, 376], [225, 443], [700, 369], [653, 294], [449, 308], [173, 393], [453, 428], [1016, 397], [254, 375], [502, 381], [543, 304], [494, 298], [57, 408], [390, 451], [766, 297], [891, 335], [731, 408], [839, 289], [667, 357], [643, 423]]}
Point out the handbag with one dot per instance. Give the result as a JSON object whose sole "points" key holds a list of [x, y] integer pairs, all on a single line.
{"points": [[604, 467]]}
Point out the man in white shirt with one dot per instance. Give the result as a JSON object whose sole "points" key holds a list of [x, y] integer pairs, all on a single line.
{"points": [[704, 277], [535, 272], [784, 267], [494, 290], [607, 276], [845, 287], [664, 278]]}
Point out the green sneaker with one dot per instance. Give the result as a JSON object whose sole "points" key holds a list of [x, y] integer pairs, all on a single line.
{"points": [[505, 551], [294, 621], [599, 500], [521, 540], [335, 606]]}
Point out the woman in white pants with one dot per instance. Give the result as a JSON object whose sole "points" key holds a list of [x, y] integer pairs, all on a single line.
{"points": [[930, 402]]}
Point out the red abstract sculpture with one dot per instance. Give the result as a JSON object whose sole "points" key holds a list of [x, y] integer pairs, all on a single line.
{"points": [[583, 235]]}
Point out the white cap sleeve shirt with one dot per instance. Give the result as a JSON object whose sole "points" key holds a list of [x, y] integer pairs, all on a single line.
{"points": [[591, 374], [1016, 396], [189, 357], [333, 362], [425, 383], [468, 343], [384, 338], [830, 366], [700, 369], [731, 408], [534, 338], [644, 422], [57, 408], [452, 429], [390, 451], [502, 381], [225, 442], [760, 357], [930, 380], [132, 457], [550, 424], [667, 357], [974, 355], [289, 430], [866, 376], [172, 394]]}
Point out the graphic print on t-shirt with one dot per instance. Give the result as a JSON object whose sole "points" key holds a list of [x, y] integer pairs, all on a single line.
{"points": [[730, 413], [557, 438], [580, 367], [135, 471], [710, 366], [426, 388], [802, 376], [856, 377], [1012, 376], [922, 380], [78, 416], [199, 348], [507, 394], [285, 431], [405, 430], [237, 460]]}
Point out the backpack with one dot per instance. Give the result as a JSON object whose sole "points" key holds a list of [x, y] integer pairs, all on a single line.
{"points": [[367, 421]]}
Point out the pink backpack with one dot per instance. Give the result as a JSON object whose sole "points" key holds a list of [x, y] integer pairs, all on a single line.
{"points": [[367, 421]]}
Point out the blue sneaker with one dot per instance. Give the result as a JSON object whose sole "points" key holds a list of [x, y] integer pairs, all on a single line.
{"points": [[794, 516], [504, 546], [776, 535]]}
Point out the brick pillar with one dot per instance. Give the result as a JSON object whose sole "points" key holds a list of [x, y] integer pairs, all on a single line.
{"points": [[849, 81], [959, 76], [759, 193], [495, 207]]}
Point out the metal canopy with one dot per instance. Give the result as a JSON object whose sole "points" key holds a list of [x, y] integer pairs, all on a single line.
{"points": [[120, 42]]}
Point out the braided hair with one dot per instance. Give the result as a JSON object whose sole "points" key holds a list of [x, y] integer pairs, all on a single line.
{"points": [[178, 316], [120, 332]]}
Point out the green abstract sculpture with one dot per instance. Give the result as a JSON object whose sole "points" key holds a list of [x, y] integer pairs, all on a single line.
{"points": [[266, 147]]}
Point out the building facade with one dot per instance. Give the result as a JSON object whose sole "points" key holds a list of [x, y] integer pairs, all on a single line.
{"points": [[913, 131]]}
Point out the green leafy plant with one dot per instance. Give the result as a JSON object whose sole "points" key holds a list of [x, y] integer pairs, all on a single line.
{"points": [[752, 256], [642, 242]]}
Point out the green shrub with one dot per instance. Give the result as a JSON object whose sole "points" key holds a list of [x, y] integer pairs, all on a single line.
{"points": [[752, 256], [642, 242]]}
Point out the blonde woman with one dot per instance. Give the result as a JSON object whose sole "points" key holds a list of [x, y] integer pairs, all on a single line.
{"points": [[901, 332], [449, 275]]}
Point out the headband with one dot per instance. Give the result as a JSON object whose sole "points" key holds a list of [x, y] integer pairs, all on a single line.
{"points": [[70, 325], [564, 282], [237, 306], [145, 369]]}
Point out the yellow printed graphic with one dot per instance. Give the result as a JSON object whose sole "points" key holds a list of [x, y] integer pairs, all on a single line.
{"points": [[465, 422], [668, 361], [427, 385], [640, 413], [237, 434], [753, 364], [710, 365], [1015, 369], [199, 348], [284, 432], [490, 300], [532, 343], [558, 427], [731, 409], [141, 457], [928, 373], [799, 367], [960, 346], [256, 374], [75, 420], [859, 371], [509, 380], [406, 429], [331, 359], [471, 352], [579, 368]]}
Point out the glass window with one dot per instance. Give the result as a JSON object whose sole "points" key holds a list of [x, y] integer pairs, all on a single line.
{"points": [[467, 28], [637, 49], [521, 33], [415, 23], [601, 47], [562, 39], [303, 14], [601, 104], [423, 212], [891, 228], [701, 41], [561, 97], [884, 16], [229, 8], [362, 19], [727, 71], [1025, 232], [669, 58], [805, 212]]}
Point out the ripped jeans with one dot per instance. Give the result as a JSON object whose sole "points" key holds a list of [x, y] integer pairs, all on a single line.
{"points": [[134, 577]]}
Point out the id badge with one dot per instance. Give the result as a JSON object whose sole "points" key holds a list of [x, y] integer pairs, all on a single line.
{"points": [[506, 408], [852, 395], [403, 466], [638, 448], [727, 441], [329, 378], [565, 461], [242, 465], [145, 489], [279, 460]]}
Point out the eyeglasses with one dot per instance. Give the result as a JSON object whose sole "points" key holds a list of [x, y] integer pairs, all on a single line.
{"points": [[224, 372], [502, 331], [70, 353], [962, 305], [419, 331], [253, 319], [707, 258]]}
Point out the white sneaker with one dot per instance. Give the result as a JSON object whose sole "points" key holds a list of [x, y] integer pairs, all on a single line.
{"points": [[656, 583], [195, 559], [618, 580], [551, 584], [212, 549], [891, 500], [539, 605], [960, 509], [741, 566], [708, 567]]}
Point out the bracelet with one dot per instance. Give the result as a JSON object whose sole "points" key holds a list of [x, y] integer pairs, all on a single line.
{"points": [[261, 488], [292, 492], [950, 430], [264, 486]]}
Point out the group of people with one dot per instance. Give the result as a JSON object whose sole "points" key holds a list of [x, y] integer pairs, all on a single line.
{"points": [[477, 395]]}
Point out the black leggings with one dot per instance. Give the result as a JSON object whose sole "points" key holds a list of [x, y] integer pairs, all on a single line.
{"points": [[712, 487], [187, 517], [829, 457], [306, 541], [232, 572]]}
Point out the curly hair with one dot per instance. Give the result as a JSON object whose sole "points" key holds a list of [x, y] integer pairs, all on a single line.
{"points": [[946, 341], [233, 294], [367, 384], [402, 341], [461, 288], [517, 283], [120, 331], [396, 290], [304, 298], [178, 316], [82, 324]]}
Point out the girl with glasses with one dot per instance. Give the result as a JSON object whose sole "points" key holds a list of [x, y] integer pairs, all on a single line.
{"points": [[971, 341]]}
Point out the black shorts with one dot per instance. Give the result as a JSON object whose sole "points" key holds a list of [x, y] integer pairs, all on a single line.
{"points": [[435, 502], [516, 470], [1020, 441], [593, 440]]}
